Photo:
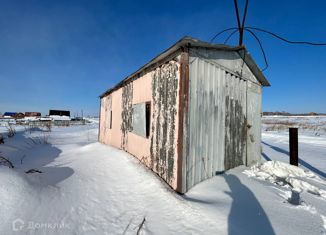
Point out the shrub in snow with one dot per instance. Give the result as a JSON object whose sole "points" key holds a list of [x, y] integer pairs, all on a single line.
{"points": [[48, 126], [11, 131], [33, 171], [5, 162]]}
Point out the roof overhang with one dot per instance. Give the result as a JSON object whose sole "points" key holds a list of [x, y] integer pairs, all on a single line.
{"points": [[189, 42]]}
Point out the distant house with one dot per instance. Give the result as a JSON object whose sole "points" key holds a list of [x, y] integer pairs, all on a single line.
{"points": [[9, 114], [59, 115], [32, 114], [19, 115], [13, 115]]}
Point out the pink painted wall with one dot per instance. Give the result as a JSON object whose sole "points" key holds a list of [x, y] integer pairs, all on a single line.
{"points": [[111, 136], [137, 145]]}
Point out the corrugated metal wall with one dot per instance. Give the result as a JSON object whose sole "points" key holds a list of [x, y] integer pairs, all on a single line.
{"points": [[217, 121], [254, 123]]}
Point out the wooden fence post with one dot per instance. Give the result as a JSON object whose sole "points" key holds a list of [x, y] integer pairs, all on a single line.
{"points": [[294, 159]]}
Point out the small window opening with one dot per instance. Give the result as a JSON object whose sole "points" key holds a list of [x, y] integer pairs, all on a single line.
{"points": [[148, 118]]}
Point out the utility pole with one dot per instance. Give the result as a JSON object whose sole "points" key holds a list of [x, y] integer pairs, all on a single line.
{"points": [[241, 24]]}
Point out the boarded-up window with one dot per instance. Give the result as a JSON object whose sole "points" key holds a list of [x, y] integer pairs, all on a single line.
{"points": [[141, 119], [138, 119]]}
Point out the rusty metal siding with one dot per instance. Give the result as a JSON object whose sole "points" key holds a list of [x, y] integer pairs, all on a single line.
{"points": [[183, 139], [217, 116]]}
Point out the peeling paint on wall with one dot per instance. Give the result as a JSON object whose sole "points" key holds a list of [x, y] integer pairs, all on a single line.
{"points": [[163, 144], [126, 114], [235, 133], [105, 118]]}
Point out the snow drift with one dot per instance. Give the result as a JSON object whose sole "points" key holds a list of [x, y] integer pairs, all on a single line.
{"points": [[287, 175]]}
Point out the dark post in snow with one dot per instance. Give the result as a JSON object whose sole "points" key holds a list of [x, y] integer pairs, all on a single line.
{"points": [[294, 160]]}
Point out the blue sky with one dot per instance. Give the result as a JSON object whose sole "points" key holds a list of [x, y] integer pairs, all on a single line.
{"points": [[63, 54]]}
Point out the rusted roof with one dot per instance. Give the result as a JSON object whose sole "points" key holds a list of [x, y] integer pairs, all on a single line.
{"points": [[189, 42]]}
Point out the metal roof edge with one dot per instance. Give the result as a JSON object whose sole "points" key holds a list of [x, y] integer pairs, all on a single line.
{"points": [[188, 41], [254, 67]]}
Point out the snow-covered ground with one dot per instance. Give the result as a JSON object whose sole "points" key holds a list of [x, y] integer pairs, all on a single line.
{"points": [[312, 150], [89, 188], [308, 125], [312, 140]]}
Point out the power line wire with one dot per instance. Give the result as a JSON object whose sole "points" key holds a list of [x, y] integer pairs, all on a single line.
{"points": [[250, 29], [261, 47], [241, 25], [238, 20], [241, 28], [286, 40], [223, 31], [231, 34]]}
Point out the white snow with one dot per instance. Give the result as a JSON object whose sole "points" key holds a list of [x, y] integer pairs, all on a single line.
{"points": [[286, 175], [90, 188], [59, 118], [311, 125], [312, 150]]}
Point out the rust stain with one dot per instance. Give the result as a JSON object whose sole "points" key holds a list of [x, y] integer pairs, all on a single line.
{"points": [[183, 110]]}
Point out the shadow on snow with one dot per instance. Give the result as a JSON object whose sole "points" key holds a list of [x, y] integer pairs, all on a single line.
{"points": [[302, 162], [246, 215], [26, 152]]}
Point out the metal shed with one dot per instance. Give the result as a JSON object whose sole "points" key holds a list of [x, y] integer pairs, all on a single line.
{"points": [[190, 113]]}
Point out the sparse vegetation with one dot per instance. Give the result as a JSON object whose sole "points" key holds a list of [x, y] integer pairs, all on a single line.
{"points": [[45, 139], [11, 131], [48, 126], [33, 171], [140, 226], [21, 160], [316, 125], [6, 162]]}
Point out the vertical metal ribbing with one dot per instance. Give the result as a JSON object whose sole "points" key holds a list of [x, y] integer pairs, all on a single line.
{"points": [[215, 120]]}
